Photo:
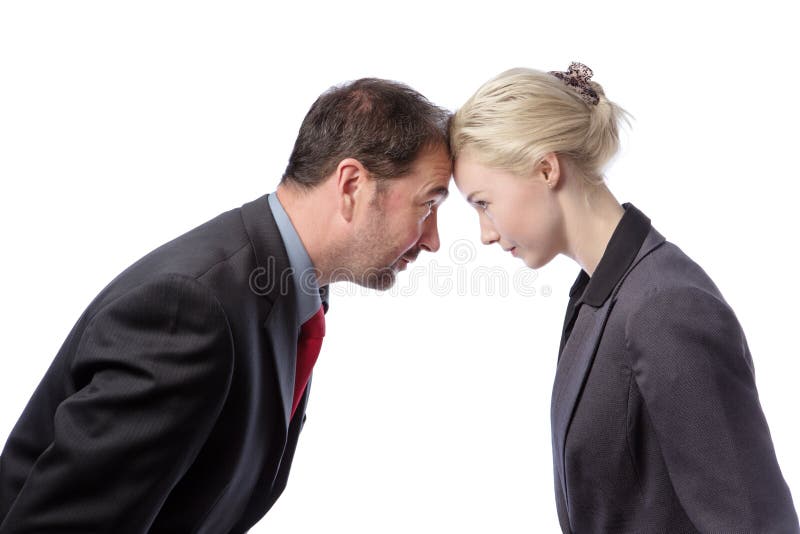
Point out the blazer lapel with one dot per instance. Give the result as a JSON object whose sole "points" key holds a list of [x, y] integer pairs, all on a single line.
{"points": [[282, 328], [571, 372], [272, 279], [576, 361]]}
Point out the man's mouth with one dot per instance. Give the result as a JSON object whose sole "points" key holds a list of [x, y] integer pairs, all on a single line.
{"points": [[404, 261]]}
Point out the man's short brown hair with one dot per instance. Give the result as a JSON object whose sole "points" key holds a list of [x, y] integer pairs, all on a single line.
{"points": [[382, 123]]}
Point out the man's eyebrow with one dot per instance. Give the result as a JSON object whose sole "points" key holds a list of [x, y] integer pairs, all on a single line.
{"points": [[443, 191]]}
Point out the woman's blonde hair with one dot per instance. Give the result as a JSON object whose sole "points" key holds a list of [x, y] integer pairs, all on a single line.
{"points": [[516, 118]]}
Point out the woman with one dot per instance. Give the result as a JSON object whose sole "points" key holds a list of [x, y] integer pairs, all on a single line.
{"points": [[656, 421]]}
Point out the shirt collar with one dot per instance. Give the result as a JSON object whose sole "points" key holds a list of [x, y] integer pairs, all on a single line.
{"points": [[304, 277], [622, 249]]}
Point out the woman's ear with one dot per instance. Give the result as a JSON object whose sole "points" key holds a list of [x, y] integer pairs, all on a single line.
{"points": [[549, 170]]}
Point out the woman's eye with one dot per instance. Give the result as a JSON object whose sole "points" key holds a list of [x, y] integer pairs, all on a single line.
{"points": [[481, 204]]}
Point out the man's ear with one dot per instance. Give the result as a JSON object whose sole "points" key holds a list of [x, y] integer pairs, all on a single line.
{"points": [[549, 170], [351, 186]]}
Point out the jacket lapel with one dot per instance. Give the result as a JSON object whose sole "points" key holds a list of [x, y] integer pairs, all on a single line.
{"points": [[272, 279], [573, 367], [281, 323], [576, 361]]}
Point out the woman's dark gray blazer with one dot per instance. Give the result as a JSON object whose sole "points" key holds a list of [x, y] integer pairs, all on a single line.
{"points": [[657, 425]]}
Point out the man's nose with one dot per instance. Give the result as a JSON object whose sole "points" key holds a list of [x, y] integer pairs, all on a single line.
{"points": [[430, 235]]}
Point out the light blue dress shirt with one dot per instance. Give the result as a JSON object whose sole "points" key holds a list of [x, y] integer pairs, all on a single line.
{"points": [[304, 276]]}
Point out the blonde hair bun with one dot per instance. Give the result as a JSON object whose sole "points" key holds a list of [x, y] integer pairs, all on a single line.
{"points": [[522, 114]]}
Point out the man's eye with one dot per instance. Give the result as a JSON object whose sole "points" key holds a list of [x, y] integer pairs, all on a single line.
{"points": [[430, 204]]}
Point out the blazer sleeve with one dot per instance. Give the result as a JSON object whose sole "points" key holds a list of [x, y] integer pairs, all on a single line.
{"points": [[692, 365], [151, 373]]}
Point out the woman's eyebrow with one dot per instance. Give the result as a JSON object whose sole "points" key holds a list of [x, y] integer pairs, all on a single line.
{"points": [[471, 195]]}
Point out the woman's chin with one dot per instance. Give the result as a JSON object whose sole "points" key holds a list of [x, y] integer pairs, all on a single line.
{"points": [[535, 261]]}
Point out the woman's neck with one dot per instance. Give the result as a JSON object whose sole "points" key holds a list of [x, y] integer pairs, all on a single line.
{"points": [[592, 213]]}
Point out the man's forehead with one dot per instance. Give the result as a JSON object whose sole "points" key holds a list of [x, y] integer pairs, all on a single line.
{"points": [[421, 185], [438, 170], [436, 155]]}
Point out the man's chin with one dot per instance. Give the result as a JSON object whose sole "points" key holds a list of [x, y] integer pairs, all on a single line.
{"points": [[378, 279]]}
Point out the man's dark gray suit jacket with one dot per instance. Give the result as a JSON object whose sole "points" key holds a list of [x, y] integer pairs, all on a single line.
{"points": [[657, 425], [167, 408]]}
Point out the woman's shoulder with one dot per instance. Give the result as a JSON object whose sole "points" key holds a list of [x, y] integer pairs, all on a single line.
{"points": [[666, 271]]}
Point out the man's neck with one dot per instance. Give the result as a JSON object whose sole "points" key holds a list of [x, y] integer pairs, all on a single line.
{"points": [[310, 220]]}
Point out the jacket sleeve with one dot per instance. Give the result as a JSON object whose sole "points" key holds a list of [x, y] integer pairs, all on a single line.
{"points": [[151, 372], [691, 362]]}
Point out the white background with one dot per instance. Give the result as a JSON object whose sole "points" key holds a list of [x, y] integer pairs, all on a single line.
{"points": [[123, 125]]}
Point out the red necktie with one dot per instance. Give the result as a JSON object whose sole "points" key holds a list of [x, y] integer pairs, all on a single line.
{"points": [[308, 345]]}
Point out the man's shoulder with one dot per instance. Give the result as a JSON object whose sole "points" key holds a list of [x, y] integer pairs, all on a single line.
{"points": [[191, 255], [196, 251]]}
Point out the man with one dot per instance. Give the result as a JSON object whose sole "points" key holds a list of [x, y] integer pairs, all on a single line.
{"points": [[176, 401]]}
